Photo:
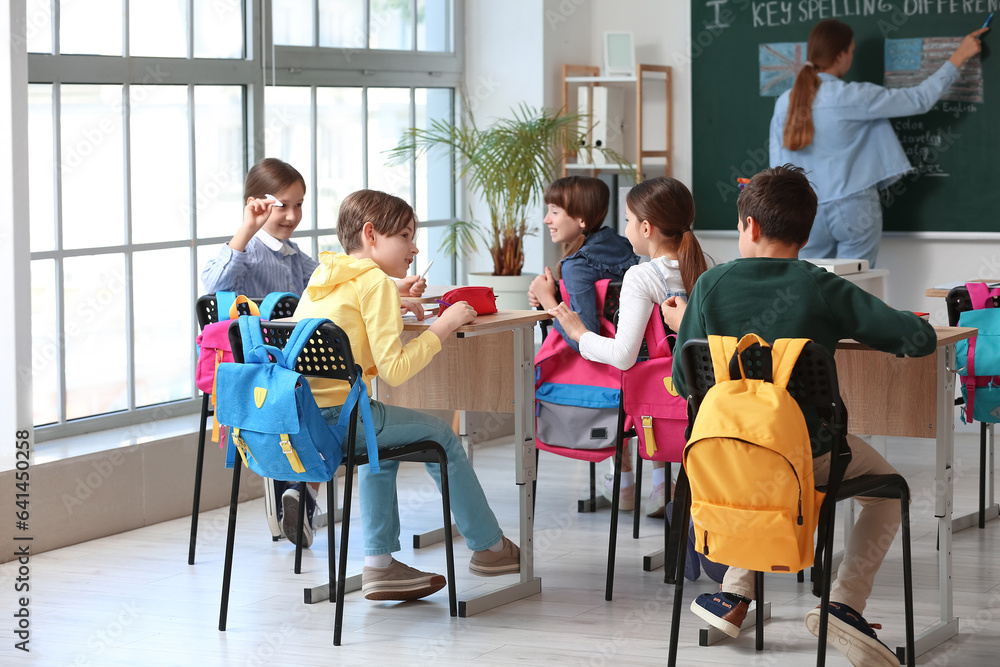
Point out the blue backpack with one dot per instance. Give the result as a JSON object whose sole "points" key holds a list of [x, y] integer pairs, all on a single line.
{"points": [[274, 422], [978, 358]]}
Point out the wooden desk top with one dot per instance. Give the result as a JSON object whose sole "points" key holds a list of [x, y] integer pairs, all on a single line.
{"points": [[945, 336], [942, 293], [498, 321]]}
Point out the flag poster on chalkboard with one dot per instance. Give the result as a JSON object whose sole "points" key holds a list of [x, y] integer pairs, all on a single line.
{"points": [[745, 53]]}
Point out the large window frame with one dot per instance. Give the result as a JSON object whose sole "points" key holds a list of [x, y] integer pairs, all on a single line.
{"points": [[264, 64]]}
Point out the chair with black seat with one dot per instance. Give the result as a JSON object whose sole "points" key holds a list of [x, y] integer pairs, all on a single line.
{"points": [[207, 312], [328, 355], [814, 383], [958, 302], [592, 456]]}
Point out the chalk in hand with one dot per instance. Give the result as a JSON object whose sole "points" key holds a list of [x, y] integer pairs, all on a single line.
{"points": [[421, 276], [274, 200]]}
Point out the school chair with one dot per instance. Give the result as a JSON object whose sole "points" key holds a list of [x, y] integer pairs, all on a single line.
{"points": [[958, 302], [328, 355], [592, 456], [813, 382], [207, 312]]}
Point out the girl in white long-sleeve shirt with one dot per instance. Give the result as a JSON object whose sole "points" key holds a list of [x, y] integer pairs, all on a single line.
{"points": [[660, 213]]}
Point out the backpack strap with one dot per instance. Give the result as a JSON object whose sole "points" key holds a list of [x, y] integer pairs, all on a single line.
{"points": [[223, 302], [234, 312], [784, 354], [364, 407], [255, 350], [271, 300], [722, 348], [304, 329]]}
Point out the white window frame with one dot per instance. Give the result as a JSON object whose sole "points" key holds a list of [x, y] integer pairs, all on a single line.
{"points": [[274, 65]]}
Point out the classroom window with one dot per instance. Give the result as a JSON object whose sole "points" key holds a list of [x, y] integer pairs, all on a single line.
{"points": [[136, 171]]}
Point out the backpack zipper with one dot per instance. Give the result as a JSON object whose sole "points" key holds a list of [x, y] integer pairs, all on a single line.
{"points": [[800, 520]]}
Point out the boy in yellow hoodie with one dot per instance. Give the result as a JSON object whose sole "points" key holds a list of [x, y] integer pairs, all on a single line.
{"points": [[356, 291]]}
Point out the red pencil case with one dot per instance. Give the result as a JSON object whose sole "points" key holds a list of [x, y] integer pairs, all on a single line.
{"points": [[481, 298]]}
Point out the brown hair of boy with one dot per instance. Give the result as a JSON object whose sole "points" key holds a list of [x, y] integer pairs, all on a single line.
{"points": [[667, 204], [827, 40], [581, 197], [270, 176], [782, 202], [388, 214]]}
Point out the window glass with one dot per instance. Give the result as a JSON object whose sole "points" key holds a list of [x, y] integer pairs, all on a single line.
{"points": [[218, 29], [44, 342], [434, 171], [41, 190], [390, 25], [158, 28], [94, 292], [329, 244], [161, 172], [434, 25], [38, 26], [342, 23], [287, 135], [90, 27], [388, 118], [338, 150], [93, 200], [164, 359], [292, 22], [205, 253], [429, 242], [219, 166]]}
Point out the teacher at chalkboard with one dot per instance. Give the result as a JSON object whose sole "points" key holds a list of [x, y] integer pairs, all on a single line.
{"points": [[840, 134]]}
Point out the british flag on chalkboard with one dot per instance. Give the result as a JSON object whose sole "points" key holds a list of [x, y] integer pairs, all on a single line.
{"points": [[779, 63], [910, 61]]}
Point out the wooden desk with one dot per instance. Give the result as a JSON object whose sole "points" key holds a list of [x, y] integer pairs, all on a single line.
{"points": [[887, 395], [487, 366]]}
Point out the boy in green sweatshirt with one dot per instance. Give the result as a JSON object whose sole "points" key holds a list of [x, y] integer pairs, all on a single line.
{"points": [[772, 293]]}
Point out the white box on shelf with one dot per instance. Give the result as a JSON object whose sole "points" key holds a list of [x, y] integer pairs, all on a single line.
{"points": [[842, 267]]}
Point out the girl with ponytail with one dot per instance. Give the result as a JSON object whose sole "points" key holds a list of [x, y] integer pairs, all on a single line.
{"points": [[840, 134], [660, 214]]}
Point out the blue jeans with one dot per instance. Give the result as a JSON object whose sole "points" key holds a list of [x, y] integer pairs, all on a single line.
{"points": [[395, 427], [848, 228]]}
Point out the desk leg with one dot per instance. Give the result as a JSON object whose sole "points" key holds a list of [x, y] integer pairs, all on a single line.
{"points": [[524, 470], [946, 626]]}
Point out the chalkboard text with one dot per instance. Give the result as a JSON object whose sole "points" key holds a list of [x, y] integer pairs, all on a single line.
{"points": [[774, 13]]}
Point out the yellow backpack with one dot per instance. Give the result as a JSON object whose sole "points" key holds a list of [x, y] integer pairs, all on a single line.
{"points": [[749, 463]]}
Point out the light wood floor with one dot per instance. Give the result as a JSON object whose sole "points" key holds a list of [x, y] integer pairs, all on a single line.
{"points": [[132, 599]]}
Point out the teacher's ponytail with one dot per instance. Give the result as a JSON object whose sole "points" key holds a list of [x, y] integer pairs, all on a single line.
{"points": [[827, 40]]}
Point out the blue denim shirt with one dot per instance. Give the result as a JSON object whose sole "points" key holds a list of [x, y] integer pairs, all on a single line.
{"points": [[854, 146], [604, 254]]}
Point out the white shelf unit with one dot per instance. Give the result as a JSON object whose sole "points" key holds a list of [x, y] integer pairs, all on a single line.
{"points": [[587, 75]]}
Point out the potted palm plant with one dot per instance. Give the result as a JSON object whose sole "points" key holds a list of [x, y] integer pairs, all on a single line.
{"points": [[507, 165]]}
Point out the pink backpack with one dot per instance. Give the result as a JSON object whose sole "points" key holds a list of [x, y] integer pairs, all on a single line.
{"points": [[576, 401], [650, 400], [213, 341]]}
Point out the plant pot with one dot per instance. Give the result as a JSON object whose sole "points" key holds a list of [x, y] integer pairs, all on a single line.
{"points": [[511, 291]]}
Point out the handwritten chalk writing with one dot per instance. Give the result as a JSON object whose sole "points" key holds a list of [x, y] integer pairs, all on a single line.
{"points": [[773, 13], [717, 6], [958, 108]]}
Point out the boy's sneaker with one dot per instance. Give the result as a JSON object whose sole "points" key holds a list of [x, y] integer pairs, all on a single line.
{"points": [[290, 514], [848, 632], [399, 582], [489, 564], [273, 489], [626, 494], [692, 562], [721, 612]]}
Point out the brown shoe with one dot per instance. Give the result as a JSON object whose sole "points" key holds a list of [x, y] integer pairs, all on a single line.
{"points": [[489, 564], [399, 582]]}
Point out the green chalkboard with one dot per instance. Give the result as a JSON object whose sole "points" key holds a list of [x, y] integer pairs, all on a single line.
{"points": [[744, 53]]}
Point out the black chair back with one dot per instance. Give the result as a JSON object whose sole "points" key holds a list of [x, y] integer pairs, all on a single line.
{"points": [[958, 301], [326, 355], [207, 308]]}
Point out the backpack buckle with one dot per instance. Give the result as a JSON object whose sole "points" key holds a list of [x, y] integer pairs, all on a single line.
{"points": [[291, 454]]}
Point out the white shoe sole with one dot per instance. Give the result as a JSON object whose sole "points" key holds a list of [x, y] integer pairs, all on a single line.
{"points": [[859, 649], [270, 509]]}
